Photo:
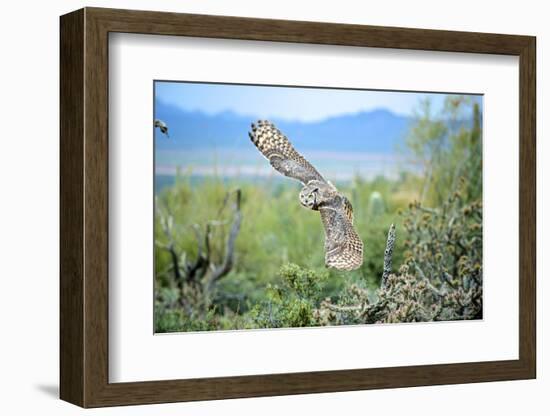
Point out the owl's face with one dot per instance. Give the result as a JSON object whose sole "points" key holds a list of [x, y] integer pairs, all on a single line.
{"points": [[309, 196], [313, 194]]}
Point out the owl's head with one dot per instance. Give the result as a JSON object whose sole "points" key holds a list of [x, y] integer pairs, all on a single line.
{"points": [[311, 195], [308, 197]]}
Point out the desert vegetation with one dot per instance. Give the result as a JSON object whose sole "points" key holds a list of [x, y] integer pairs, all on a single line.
{"points": [[231, 253]]}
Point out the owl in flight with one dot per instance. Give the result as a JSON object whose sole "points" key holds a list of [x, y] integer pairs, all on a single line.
{"points": [[343, 247]]}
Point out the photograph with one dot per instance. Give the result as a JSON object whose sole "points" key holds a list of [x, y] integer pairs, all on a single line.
{"points": [[281, 206]]}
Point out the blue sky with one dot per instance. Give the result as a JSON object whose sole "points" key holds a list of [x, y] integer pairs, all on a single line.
{"points": [[302, 104]]}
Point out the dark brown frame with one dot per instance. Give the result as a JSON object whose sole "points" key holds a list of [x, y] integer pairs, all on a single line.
{"points": [[84, 208]]}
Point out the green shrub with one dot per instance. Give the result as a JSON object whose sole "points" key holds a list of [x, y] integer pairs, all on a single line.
{"points": [[291, 304], [441, 278]]}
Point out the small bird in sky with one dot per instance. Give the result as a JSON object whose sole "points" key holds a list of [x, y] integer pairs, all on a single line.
{"points": [[162, 127]]}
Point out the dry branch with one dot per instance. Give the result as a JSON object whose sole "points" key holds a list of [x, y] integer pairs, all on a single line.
{"points": [[196, 279]]}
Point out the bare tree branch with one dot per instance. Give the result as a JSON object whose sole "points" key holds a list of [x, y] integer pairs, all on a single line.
{"points": [[195, 279], [227, 263], [200, 262]]}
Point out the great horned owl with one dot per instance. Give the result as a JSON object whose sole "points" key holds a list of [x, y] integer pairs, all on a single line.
{"points": [[343, 247]]}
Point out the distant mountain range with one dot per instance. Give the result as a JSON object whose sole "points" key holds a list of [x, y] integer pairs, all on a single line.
{"points": [[364, 144], [378, 131]]}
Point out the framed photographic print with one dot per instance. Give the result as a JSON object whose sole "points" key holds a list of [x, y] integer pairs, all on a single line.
{"points": [[255, 207]]}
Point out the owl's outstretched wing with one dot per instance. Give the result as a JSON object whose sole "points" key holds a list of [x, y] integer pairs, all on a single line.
{"points": [[275, 146], [343, 247]]}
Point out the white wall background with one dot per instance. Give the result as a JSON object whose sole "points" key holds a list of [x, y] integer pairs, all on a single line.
{"points": [[29, 158]]}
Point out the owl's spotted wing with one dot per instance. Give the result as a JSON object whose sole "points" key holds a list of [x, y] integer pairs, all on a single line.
{"points": [[348, 209], [343, 247], [275, 146]]}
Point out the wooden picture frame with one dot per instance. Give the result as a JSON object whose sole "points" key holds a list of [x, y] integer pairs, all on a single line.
{"points": [[84, 207]]}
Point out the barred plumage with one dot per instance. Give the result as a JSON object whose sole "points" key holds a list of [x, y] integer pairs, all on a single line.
{"points": [[281, 154], [343, 247]]}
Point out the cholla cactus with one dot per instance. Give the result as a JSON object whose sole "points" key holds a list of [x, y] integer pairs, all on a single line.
{"points": [[388, 254]]}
